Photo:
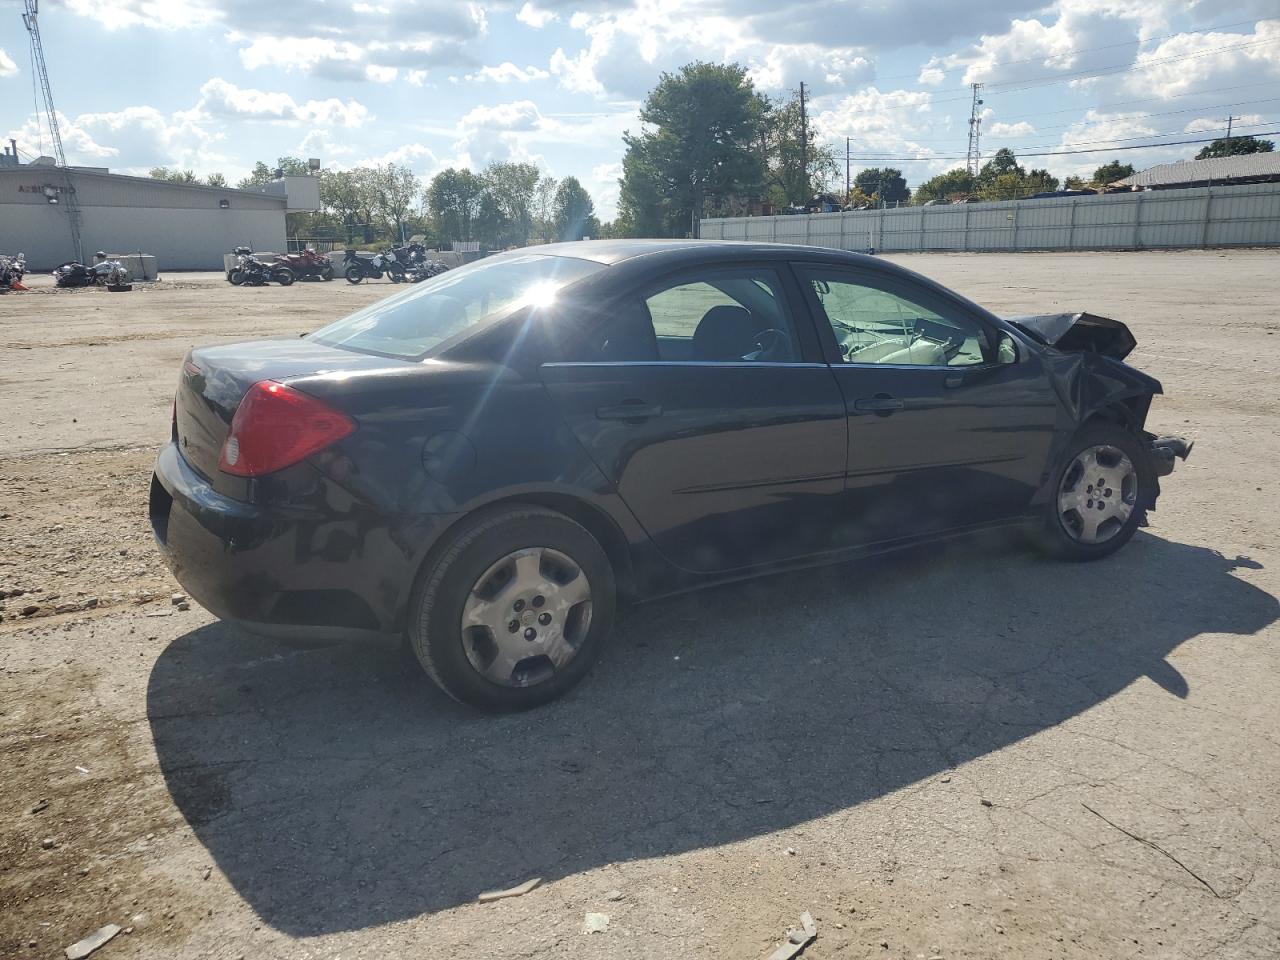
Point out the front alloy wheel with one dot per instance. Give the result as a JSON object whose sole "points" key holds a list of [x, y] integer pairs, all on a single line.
{"points": [[1098, 492]]}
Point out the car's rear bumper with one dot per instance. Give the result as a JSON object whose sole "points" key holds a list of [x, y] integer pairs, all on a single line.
{"points": [[298, 571]]}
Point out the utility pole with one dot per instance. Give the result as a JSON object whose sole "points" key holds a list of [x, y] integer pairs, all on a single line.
{"points": [[848, 190], [804, 145], [68, 196], [1229, 122], [975, 133]]}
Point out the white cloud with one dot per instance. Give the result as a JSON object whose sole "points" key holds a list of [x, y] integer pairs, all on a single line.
{"points": [[415, 155], [520, 115], [1019, 129], [1216, 125], [218, 97], [604, 189], [139, 137], [508, 72], [1206, 60], [931, 76], [7, 67], [531, 15]]}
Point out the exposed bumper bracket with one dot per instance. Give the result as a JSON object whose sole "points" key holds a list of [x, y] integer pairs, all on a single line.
{"points": [[1166, 451]]}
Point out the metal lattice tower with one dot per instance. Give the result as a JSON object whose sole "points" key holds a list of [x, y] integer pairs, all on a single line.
{"points": [[974, 158], [68, 196]]}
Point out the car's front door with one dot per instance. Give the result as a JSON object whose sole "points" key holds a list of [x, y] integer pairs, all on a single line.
{"points": [[950, 422], [707, 404]]}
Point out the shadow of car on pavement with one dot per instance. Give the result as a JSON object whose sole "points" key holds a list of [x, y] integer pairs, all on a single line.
{"points": [[337, 789]]}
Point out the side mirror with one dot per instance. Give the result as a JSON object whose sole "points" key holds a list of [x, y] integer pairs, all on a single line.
{"points": [[1006, 350]]}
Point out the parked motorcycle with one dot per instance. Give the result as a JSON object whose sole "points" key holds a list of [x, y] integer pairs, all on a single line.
{"points": [[417, 267], [250, 271], [356, 268], [307, 265], [12, 270], [102, 273]]}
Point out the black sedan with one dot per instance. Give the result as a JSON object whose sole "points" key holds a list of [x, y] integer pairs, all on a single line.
{"points": [[488, 461]]}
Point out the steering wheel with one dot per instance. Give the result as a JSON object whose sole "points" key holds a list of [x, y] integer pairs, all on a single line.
{"points": [[771, 344]]}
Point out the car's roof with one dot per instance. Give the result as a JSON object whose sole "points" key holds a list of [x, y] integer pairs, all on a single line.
{"points": [[610, 252]]}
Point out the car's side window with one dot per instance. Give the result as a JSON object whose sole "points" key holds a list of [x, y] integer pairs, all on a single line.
{"points": [[877, 326], [727, 315]]}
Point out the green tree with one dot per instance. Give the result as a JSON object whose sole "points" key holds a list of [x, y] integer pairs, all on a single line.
{"points": [[544, 208], [174, 176], [887, 182], [394, 192], [945, 186], [512, 187], [454, 202], [216, 180], [1003, 163], [261, 174], [340, 195], [791, 182], [1074, 183], [1039, 181], [574, 215], [1235, 147], [701, 150], [1111, 172]]}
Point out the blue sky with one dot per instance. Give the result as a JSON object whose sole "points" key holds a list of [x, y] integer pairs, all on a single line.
{"points": [[213, 85]]}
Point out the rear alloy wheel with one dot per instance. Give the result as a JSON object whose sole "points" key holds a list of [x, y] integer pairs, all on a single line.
{"points": [[283, 276], [1098, 494], [515, 610], [353, 274]]}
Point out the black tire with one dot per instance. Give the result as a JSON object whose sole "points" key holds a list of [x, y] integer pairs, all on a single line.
{"points": [[395, 275], [435, 612], [353, 274], [283, 276], [1054, 536], [236, 278], [326, 272]]}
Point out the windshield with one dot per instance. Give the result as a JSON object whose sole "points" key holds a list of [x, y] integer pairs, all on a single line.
{"points": [[412, 324]]}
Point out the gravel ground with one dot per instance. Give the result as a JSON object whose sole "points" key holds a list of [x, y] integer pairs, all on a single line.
{"points": [[962, 752]]}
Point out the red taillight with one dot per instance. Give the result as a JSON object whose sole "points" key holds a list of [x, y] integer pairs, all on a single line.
{"points": [[276, 426]]}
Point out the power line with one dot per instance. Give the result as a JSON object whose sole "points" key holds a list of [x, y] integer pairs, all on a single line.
{"points": [[1135, 116], [1063, 153], [1108, 46], [1054, 79]]}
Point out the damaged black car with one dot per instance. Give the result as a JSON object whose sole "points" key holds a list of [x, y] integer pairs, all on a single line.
{"points": [[489, 462]]}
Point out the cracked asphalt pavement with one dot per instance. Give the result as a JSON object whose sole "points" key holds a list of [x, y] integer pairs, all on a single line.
{"points": [[961, 752]]}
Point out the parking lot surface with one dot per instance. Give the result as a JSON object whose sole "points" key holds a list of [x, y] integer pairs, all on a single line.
{"points": [[961, 752]]}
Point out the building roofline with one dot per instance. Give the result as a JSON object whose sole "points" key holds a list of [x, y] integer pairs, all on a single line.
{"points": [[151, 181]]}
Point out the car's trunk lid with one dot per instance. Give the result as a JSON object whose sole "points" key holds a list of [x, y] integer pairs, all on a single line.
{"points": [[214, 379], [1080, 333]]}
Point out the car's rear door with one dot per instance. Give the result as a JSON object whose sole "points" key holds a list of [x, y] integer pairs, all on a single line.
{"points": [[706, 402], [950, 422]]}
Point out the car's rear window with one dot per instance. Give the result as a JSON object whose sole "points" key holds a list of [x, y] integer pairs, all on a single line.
{"points": [[412, 324]]}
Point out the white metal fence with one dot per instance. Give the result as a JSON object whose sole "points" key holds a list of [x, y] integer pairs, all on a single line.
{"points": [[1201, 217]]}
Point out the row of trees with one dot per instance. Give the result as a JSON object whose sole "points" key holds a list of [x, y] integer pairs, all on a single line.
{"points": [[711, 146], [506, 204]]}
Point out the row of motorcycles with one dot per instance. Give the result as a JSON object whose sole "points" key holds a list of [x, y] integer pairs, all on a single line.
{"points": [[101, 273], [404, 264], [408, 263]]}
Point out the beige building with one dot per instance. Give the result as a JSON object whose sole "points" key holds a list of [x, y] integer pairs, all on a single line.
{"points": [[184, 226]]}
